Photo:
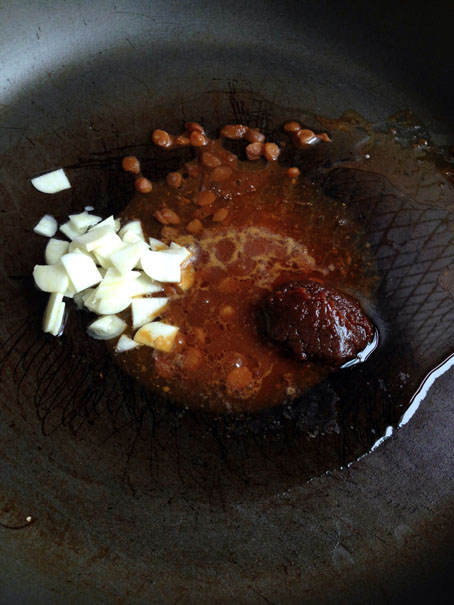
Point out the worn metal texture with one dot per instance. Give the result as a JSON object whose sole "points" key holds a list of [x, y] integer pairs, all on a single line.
{"points": [[131, 501]]}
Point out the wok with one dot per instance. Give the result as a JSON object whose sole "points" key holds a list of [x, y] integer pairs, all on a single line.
{"points": [[107, 496]]}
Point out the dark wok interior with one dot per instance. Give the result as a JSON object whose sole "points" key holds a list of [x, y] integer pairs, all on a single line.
{"points": [[129, 499]]}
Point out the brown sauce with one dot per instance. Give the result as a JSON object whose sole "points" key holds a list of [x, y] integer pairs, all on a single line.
{"points": [[252, 228]]}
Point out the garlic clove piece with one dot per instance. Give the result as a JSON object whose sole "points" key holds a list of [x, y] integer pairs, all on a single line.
{"points": [[145, 310], [126, 344], [144, 285], [47, 226], [158, 335], [95, 238], [54, 314], [163, 266], [81, 270], [54, 250], [126, 258], [70, 231], [83, 220], [106, 327], [51, 182], [51, 278]]}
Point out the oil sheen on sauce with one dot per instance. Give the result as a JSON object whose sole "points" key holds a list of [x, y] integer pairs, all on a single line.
{"points": [[276, 229]]}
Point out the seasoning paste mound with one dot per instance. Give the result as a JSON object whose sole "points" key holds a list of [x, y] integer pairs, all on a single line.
{"points": [[316, 322], [252, 225]]}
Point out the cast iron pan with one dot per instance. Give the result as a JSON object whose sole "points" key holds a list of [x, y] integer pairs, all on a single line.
{"points": [[110, 496]]}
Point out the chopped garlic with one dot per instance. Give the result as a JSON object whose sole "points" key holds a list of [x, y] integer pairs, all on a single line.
{"points": [[107, 327], [131, 232], [51, 278], [78, 299], [110, 244], [113, 293], [95, 238], [52, 182], [126, 344], [163, 266], [114, 283], [70, 231], [158, 335], [90, 301], [72, 270], [131, 238], [74, 248], [81, 270], [83, 220], [145, 310], [144, 285], [156, 244], [53, 315], [180, 251], [126, 258], [107, 222], [47, 226], [187, 278], [70, 291], [54, 250], [109, 305]]}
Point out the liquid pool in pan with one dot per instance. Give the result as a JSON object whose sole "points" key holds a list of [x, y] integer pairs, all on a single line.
{"points": [[253, 227], [398, 188]]}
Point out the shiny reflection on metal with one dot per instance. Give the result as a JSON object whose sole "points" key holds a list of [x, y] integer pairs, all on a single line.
{"points": [[415, 402], [427, 383], [365, 353]]}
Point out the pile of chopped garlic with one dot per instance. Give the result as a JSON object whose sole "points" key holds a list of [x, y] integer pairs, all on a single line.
{"points": [[107, 268]]}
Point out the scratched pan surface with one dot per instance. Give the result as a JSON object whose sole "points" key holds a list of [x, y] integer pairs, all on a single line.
{"points": [[130, 500]]}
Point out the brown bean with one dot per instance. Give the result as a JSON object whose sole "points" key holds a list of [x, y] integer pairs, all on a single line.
{"points": [[200, 335], [183, 200], [163, 367], [181, 140], [192, 169], [197, 139], [161, 138], [234, 131], [205, 198], [324, 137], [230, 158], [306, 137], [271, 152], [131, 164], [220, 215], [238, 378], [293, 172], [166, 216], [143, 185], [228, 285], [254, 151], [192, 358], [255, 136], [169, 234], [204, 211], [209, 160], [174, 180], [195, 226], [221, 173], [194, 127], [227, 311], [292, 127]]}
